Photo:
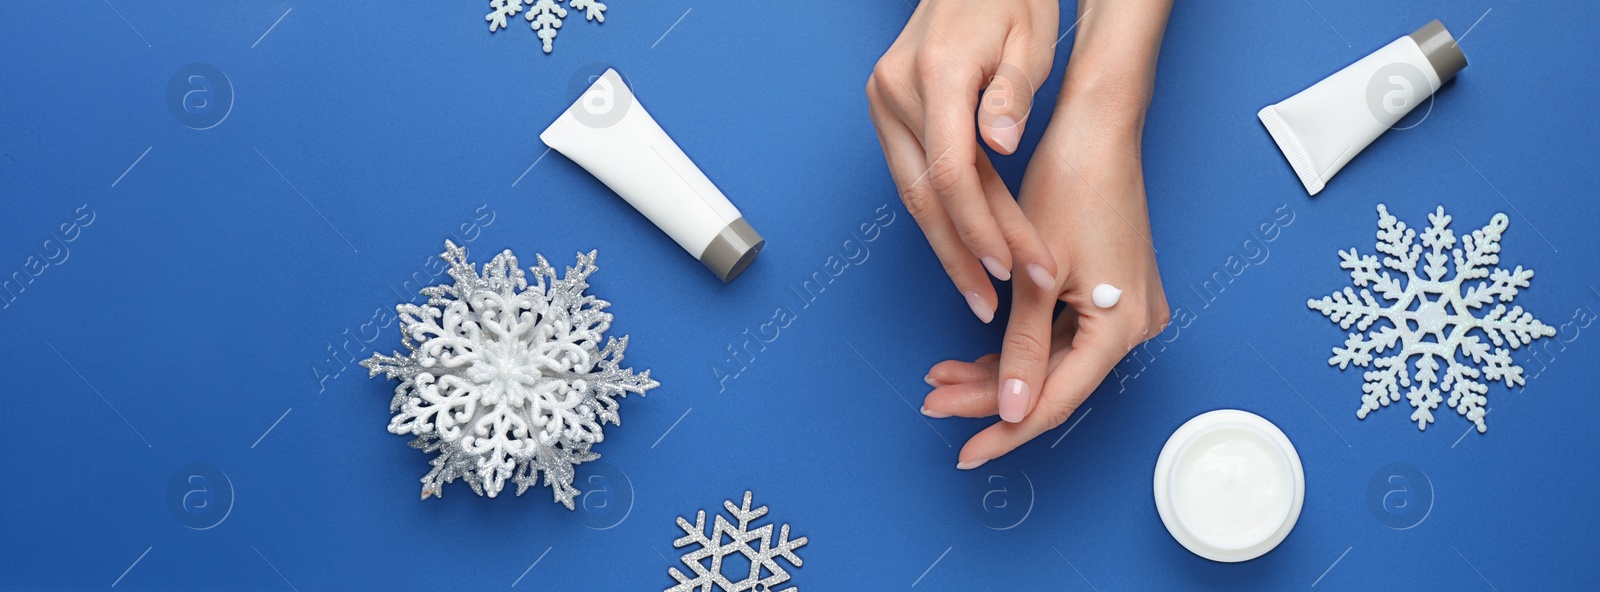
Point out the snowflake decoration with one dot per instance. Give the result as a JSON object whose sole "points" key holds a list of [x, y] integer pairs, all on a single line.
{"points": [[740, 537], [1431, 318], [505, 378], [543, 16]]}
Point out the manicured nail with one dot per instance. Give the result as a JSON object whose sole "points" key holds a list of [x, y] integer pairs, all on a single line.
{"points": [[968, 465], [1006, 133], [934, 414], [1013, 400], [999, 273], [931, 382], [1041, 277], [979, 307]]}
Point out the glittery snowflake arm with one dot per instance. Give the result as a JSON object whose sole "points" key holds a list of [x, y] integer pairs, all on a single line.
{"points": [[1382, 384], [544, 17], [1439, 240], [1481, 249], [1466, 393], [592, 9], [1516, 328], [1349, 308], [500, 11], [1396, 241], [1359, 349], [617, 382]]}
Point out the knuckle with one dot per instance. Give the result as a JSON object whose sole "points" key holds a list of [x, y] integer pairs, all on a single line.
{"points": [[1145, 322], [1131, 328], [882, 74], [919, 201], [1017, 233], [945, 175], [887, 76], [1057, 412], [971, 234], [1160, 317], [1138, 327], [1024, 346]]}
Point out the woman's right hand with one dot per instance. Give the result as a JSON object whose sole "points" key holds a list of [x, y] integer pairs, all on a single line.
{"points": [[923, 94]]}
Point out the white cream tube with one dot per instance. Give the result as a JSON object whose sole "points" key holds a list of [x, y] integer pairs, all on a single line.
{"points": [[610, 134], [1323, 127]]}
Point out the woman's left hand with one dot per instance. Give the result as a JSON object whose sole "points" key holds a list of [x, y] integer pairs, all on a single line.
{"points": [[1084, 192]]}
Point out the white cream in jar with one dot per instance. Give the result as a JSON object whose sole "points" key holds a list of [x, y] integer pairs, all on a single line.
{"points": [[1229, 485]]}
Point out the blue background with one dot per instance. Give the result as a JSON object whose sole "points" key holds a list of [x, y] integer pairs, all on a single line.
{"points": [[212, 299]]}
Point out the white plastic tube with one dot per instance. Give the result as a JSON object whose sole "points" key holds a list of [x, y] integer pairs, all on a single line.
{"points": [[1320, 129], [610, 134]]}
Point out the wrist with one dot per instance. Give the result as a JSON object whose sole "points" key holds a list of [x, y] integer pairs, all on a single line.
{"points": [[1111, 68], [1112, 101]]}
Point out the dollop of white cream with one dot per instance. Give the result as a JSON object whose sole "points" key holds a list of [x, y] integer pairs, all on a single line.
{"points": [[1106, 295]]}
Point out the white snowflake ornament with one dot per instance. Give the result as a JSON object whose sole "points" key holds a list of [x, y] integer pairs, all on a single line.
{"points": [[1430, 314], [505, 377], [503, 9], [543, 16], [762, 559]]}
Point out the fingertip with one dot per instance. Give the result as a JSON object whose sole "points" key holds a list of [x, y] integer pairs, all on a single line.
{"points": [[980, 307], [1042, 278], [968, 465], [996, 269], [957, 372], [1003, 134]]}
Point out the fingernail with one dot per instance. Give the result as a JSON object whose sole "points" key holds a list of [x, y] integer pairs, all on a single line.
{"points": [[1013, 400], [979, 307], [934, 414], [931, 382], [1041, 277], [999, 273], [1006, 133], [968, 465]]}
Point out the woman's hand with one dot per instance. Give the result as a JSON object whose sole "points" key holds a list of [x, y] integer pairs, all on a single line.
{"points": [[923, 94], [1084, 191]]}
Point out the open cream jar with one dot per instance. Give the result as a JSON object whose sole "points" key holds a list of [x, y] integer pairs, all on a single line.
{"points": [[1229, 485]]}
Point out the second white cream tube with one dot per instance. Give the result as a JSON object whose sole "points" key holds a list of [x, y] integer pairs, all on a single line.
{"points": [[1321, 128], [610, 134]]}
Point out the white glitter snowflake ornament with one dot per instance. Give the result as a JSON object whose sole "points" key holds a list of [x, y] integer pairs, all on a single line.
{"points": [[543, 16], [505, 376], [1430, 314], [762, 559]]}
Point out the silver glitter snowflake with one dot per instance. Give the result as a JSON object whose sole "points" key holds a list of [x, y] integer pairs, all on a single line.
{"points": [[1428, 314], [740, 537], [506, 379], [543, 16]]}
